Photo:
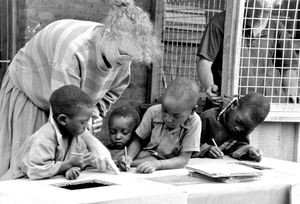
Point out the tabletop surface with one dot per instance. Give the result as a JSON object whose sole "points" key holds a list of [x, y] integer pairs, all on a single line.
{"points": [[130, 184]]}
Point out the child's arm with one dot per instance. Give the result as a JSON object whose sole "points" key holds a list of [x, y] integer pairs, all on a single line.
{"points": [[142, 157], [208, 150], [133, 150], [173, 163], [40, 161], [76, 160], [242, 150], [255, 154]]}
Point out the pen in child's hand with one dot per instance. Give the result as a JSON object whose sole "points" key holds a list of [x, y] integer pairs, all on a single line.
{"points": [[78, 154], [126, 157], [217, 146]]}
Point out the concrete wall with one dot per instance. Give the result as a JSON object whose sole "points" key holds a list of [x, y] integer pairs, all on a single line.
{"points": [[33, 15]]}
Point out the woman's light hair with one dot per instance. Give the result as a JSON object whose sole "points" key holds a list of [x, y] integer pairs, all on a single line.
{"points": [[127, 22]]}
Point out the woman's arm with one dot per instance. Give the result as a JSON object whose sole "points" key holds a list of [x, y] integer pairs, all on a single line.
{"points": [[206, 79], [119, 84], [103, 157]]}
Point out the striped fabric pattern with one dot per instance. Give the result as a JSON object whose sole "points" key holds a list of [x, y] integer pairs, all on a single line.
{"points": [[64, 52]]}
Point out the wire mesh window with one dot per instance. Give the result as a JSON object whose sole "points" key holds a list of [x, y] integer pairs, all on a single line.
{"points": [[269, 58], [184, 22]]}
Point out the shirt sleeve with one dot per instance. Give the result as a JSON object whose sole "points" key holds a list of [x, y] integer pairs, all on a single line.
{"points": [[191, 141], [67, 72], [145, 128], [120, 83], [41, 162], [238, 148], [212, 39], [204, 147]]}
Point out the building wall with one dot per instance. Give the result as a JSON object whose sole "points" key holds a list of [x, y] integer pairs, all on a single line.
{"points": [[33, 15], [277, 140]]}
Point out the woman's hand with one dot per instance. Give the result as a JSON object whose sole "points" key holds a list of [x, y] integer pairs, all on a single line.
{"points": [[95, 123], [103, 158], [213, 95]]}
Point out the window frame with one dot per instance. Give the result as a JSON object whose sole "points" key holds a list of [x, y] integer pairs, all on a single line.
{"points": [[231, 63]]}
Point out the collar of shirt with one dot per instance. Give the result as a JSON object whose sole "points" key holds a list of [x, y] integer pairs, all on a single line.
{"points": [[225, 107], [56, 129]]}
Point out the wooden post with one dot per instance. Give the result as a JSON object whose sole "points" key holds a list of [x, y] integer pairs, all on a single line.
{"points": [[297, 143], [159, 6], [14, 28], [231, 46]]}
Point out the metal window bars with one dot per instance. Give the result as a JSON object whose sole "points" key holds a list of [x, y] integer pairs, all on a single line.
{"points": [[183, 24], [269, 58]]}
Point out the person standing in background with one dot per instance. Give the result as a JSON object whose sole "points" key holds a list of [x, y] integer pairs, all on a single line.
{"points": [[275, 59]]}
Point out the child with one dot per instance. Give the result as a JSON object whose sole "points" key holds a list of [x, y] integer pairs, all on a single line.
{"points": [[230, 126], [169, 132], [57, 147], [122, 123]]}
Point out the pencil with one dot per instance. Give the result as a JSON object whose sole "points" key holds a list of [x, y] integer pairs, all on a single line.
{"points": [[75, 153], [216, 146], [126, 156]]}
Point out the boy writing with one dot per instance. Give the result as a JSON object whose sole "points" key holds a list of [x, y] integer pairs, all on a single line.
{"points": [[58, 147], [169, 132], [230, 125], [122, 123]]}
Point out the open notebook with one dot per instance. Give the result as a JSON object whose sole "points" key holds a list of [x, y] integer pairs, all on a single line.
{"points": [[224, 170]]}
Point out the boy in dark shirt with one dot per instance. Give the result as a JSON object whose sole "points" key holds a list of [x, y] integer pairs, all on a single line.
{"points": [[230, 125]]}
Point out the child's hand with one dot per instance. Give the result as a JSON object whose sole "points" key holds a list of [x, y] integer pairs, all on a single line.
{"points": [[72, 173], [82, 160], [215, 152], [123, 164], [254, 154], [148, 166]]}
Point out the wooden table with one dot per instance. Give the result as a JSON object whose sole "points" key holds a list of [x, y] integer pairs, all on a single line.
{"points": [[281, 184]]}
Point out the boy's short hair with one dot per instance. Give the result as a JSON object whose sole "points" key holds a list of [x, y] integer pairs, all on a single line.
{"points": [[256, 104], [68, 100], [184, 90], [126, 112]]}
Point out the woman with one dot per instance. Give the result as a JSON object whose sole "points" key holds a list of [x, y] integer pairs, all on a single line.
{"points": [[90, 55]]}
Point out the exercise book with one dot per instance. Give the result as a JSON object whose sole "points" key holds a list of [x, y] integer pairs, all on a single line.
{"points": [[225, 172]]}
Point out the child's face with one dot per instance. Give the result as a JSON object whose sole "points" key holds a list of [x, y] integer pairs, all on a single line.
{"points": [[174, 114], [120, 131], [79, 122], [239, 121]]}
